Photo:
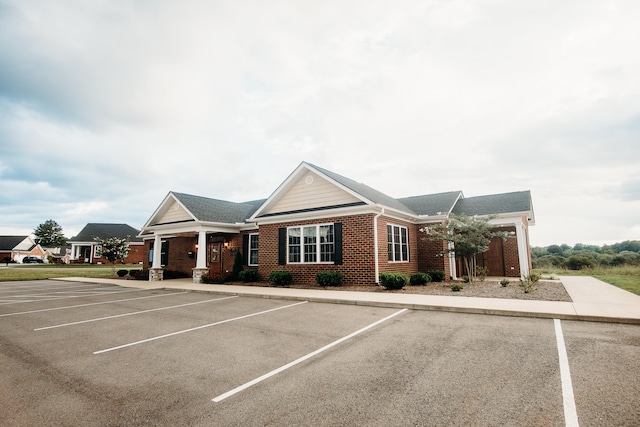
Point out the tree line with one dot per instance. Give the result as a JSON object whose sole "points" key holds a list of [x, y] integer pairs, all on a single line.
{"points": [[586, 256]]}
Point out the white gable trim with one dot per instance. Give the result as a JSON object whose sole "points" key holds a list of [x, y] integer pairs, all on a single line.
{"points": [[292, 179], [169, 199]]}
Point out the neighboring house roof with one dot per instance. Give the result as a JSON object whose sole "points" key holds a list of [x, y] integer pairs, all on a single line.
{"points": [[495, 204], [9, 243], [432, 204], [105, 231], [215, 210]]}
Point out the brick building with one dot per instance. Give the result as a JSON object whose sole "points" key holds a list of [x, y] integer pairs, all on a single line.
{"points": [[319, 220]]}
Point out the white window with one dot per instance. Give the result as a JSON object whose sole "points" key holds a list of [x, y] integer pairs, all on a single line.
{"points": [[253, 249], [397, 243], [311, 244]]}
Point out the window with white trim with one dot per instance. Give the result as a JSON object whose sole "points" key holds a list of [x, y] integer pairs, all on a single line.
{"points": [[253, 249], [397, 243], [311, 244]]}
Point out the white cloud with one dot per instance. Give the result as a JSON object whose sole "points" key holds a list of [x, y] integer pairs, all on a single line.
{"points": [[115, 104]]}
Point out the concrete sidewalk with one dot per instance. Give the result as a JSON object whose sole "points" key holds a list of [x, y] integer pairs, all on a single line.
{"points": [[593, 300]]}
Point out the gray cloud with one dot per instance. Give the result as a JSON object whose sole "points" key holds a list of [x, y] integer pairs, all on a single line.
{"points": [[105, 107]]}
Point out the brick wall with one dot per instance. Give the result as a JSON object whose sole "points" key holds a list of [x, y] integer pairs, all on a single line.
{"points": [[179, 248], [387, 266], [136, 254], [430, 256], [358, 266]]}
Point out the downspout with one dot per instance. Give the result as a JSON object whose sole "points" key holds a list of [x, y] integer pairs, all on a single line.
{"points": [[375, 244]]}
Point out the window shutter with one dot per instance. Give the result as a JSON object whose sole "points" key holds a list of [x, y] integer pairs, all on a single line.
{"points": [[245, 249], [282, 246], [337, 231]]}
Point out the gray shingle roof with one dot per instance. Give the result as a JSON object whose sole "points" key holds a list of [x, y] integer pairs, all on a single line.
{"points": [[105, 231], [7, 243], [519, 201], [431, 204], [215, 210]]}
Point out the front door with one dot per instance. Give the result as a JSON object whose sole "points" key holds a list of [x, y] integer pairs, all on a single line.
{"points": [[215, 257], [494, 258]]}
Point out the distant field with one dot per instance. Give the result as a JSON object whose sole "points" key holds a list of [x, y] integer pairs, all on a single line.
{"points": [[624, 277], [46, 271]]}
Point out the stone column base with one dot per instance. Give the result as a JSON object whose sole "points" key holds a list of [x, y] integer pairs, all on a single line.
{"points": [[156, 274], [197, 274]]}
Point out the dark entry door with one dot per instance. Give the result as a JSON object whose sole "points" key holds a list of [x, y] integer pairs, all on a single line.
{"points": [[494, 258], [215, 257]]}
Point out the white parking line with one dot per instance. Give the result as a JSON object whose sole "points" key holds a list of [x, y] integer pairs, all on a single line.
{"points": [[302, 359], [76, 296], [196, 328], [133, 313], [89, 304], [570, 413], [47, 288]]}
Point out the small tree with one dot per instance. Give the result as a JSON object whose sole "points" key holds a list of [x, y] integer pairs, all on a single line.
{"points": [[469, 236], [114, 249], [49, 233]]}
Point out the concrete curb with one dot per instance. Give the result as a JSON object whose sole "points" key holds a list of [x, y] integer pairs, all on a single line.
{"points": [[623, 308]]}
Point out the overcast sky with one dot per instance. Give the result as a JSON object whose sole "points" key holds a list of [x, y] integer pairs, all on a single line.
{"points": [[106, 106]]}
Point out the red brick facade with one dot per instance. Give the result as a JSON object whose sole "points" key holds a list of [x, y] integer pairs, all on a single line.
{"points": [[358, 252], [357, 268]]}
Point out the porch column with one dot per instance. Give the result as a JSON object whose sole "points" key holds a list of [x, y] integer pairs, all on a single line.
{"points": [[201, 257], [522, 250], [155, 272]]}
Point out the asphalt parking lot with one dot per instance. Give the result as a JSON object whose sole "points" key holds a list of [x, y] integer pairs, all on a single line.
{"points": [[101, 355]]}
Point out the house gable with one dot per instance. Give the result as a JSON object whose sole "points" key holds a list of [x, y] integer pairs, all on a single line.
{"points": [[171, 213], [310, 191]]}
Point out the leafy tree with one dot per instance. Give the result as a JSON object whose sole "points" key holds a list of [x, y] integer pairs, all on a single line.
{"points": [[554, 249], [114, 249], [49, 234], [469, 235]]}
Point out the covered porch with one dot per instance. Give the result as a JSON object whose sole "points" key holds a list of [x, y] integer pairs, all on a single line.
{"points": [[191, 253]]}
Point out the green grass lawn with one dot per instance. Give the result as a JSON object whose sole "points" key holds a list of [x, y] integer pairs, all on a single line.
{"points": [[624, 277], [52, 271]]}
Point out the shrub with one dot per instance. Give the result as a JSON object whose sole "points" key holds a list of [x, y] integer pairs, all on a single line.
{"points": [[482, 272], [141, 274], [457, 287], [213, 277], [122, 273], [529, 283], [419, 279], [133, 273], [504, 282], [238, 268], [281, 278], [249, 276], [466, 279], [172, 274], [437, 275], [394, 280], [578, 262], [329, 278]]}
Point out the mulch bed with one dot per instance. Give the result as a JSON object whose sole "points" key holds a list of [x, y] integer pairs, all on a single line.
{"points": [[547, 290]]}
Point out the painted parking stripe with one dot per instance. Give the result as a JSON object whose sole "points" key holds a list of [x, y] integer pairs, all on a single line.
{"points": [[570, 413], [89, 304], [197, 328], [77, 296], [134, 313], [303, 358], [46, 289]]}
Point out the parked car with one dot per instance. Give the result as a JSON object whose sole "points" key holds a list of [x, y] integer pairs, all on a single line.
{"points": [[31, 259]]}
